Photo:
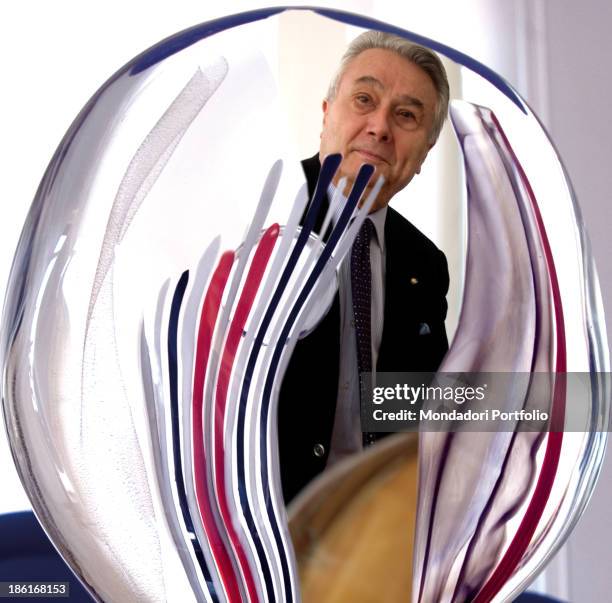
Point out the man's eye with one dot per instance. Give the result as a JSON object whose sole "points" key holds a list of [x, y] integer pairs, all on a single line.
{"points": [[407, 115], [362, 99]]}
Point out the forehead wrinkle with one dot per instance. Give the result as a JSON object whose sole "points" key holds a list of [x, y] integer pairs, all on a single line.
{"points": [[406, 99], [370, 79]]}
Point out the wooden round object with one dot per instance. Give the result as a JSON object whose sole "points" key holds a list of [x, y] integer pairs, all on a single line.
{"points": [[353, 528]]}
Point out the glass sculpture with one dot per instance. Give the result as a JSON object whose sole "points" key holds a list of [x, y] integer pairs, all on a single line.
{"points": [[162, 279]]}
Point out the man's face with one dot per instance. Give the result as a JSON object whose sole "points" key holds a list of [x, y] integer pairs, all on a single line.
{"points": [[382, 114]]}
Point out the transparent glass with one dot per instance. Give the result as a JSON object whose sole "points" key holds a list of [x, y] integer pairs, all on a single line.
{"points": [[163, 277]]}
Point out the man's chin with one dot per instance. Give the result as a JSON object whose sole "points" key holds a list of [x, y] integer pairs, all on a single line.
{"points": [[382, 200], [351, 176]]}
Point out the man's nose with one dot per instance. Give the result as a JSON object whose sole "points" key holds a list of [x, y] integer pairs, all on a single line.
{"points": [[379, 125]]}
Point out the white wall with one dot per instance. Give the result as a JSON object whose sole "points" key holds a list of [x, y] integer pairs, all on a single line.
{"points": [[579, 48]]}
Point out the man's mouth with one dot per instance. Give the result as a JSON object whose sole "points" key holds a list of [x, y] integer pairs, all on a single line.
{"points": [[370, 156]]}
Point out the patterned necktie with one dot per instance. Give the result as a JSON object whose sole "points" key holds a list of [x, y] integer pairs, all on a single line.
{"points": [[361, 288]]}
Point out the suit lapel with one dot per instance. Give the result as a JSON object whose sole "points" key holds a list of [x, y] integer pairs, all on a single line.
{"points": [[312, 168], [400, 264]]}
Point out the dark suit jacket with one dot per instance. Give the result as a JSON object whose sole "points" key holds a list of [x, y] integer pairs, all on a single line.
{"points": [[307, 403]]}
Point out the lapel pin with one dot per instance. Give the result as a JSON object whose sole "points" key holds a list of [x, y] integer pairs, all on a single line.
{"points": [[424, 329]]}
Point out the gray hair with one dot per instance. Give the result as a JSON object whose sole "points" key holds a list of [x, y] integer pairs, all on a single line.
{"points": [[424, 58]]}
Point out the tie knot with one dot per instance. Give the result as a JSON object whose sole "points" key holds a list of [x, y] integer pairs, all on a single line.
{"points": [[367, 227], [365, 232]]}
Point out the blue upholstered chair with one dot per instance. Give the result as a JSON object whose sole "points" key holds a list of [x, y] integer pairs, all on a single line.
{"points": [[27, 555], [535, 598]]}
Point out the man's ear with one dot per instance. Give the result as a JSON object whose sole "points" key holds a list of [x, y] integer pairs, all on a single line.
{"points": [[325, 107]]}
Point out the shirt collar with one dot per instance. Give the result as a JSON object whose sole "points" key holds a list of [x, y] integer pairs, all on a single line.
{"points": [[378, 218]]}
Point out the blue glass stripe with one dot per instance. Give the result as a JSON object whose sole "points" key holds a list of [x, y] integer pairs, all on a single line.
{"points": [[175, 308], [190, 36], [455, 55], [361, 181], [328, 169]]}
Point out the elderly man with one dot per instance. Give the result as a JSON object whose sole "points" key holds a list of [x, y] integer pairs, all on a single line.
{"points": [[385, 107]]}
